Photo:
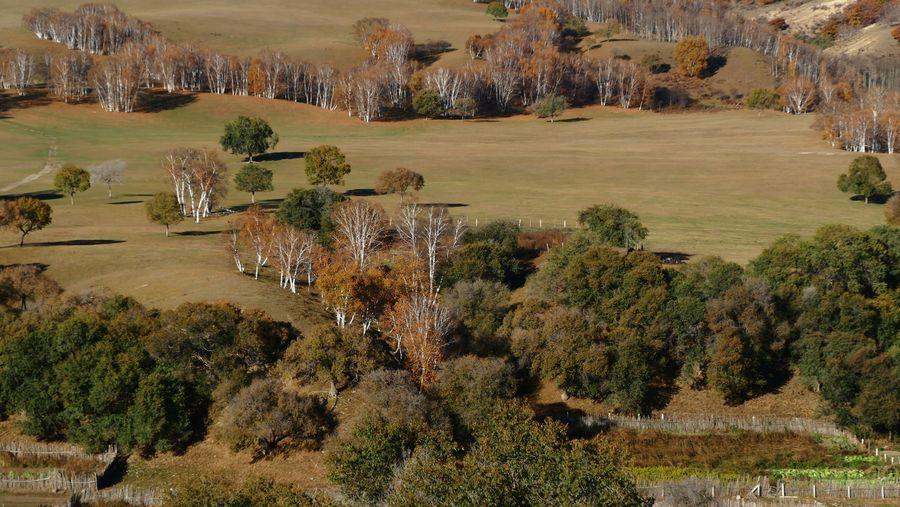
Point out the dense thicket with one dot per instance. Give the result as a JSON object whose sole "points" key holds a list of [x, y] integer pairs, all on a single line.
{"points": [[104, 370], [620, 326]]}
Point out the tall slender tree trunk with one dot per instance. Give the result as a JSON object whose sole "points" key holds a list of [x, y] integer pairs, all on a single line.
{"points": [[22, 239], [252, 197], [72, 197], [109, 190], [167, 230]]}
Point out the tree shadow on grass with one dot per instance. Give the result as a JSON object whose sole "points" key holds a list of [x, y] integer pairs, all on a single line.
{"points": [[32, 99], [875, 199], [75, 242], [673, 257], [279, 155], [444, 204], [361, 192], [196, 233], [713, 64], [124, 202], [44, 195], [155, 101], [577, 119], [266, 204]]}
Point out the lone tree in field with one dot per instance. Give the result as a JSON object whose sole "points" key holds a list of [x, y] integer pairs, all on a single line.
{"points": [[865, 177], [399, 181], [497, 10], [248, 136], [253, 178], [71, 179], [892, 210], [427, 103], [550, 106], [692, 55], [25, 214], [613, 225], [109, 173], [326, 165], [163, 209]]}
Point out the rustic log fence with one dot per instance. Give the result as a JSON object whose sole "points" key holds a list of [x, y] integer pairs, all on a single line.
{"points": [[139, 497], [55, 479], [704, 491], [704, 424]]}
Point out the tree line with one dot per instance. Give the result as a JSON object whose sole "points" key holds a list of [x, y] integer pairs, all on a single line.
{"points": [[532, 58]]}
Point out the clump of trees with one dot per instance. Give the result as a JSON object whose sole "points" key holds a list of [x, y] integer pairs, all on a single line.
{"points": [[25, 215], [550, 107], [199, 179], [865, 177]]}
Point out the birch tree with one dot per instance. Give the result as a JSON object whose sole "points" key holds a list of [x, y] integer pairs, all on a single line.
{"points": [[360, 229], [109, 173]]}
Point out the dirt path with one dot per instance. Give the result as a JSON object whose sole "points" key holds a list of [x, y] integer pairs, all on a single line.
{"points": [[49, 167]]}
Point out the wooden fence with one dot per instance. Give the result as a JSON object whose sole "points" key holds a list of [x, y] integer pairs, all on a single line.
{"points": [[704, 491], [703, 424], [55, 479], [139, 497]]}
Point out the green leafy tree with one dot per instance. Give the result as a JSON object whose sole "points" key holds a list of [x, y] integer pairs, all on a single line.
{"points": [[25, 215], [479, 306], [363, 463], [248, 136], [310, 208], [427, 103], [163, 209], [497, 10], [253, 178], [164, 415], [745, 356], [865, 177], [613, 226], [550, 107], [71, 179], [326, 165]]}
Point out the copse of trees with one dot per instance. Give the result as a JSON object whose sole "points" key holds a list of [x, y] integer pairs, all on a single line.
{"points": [[253, 178], [248, 136], [865, 177], [25, 215], [71, 179]]}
